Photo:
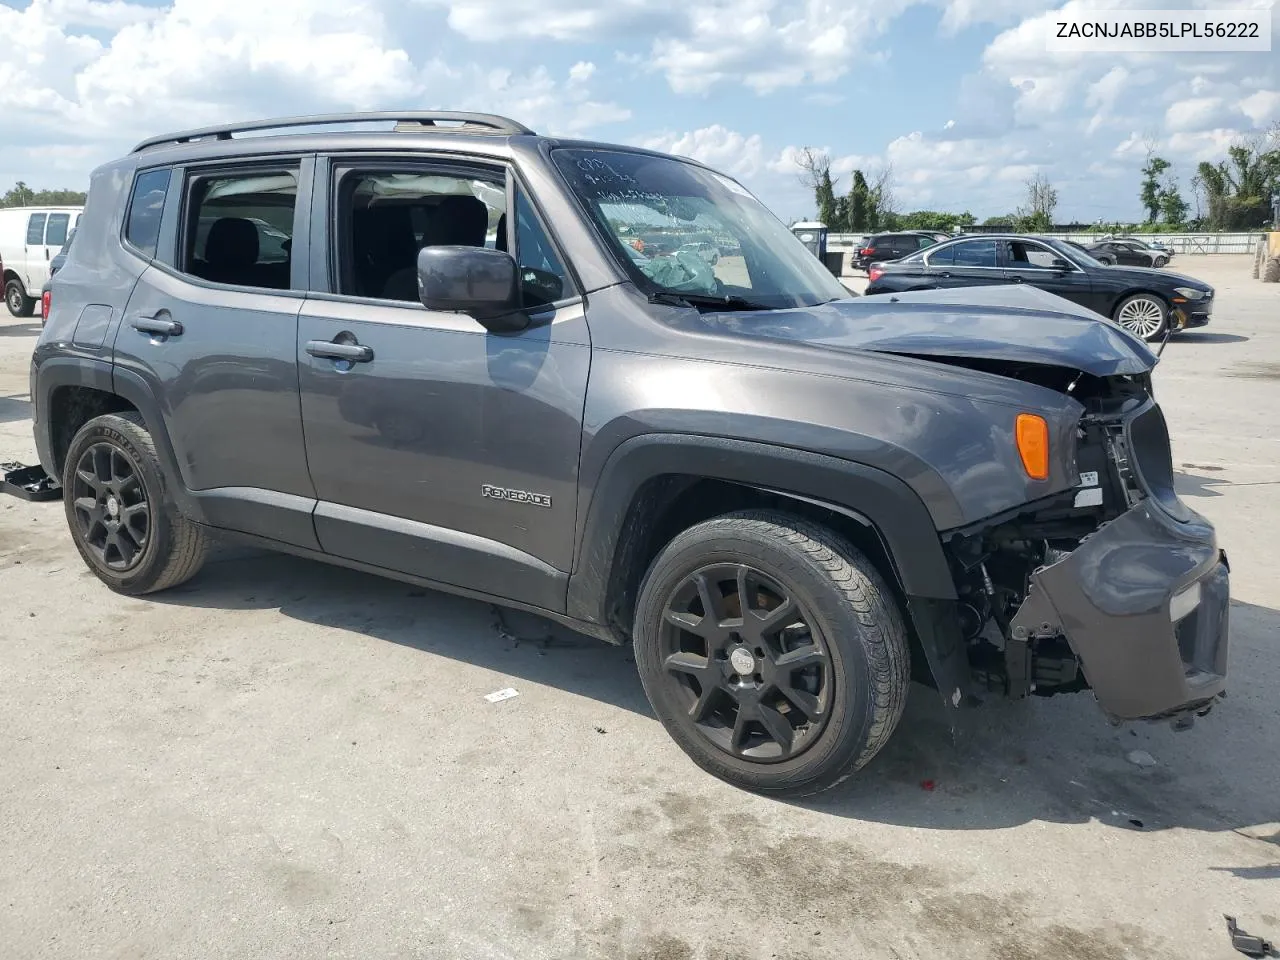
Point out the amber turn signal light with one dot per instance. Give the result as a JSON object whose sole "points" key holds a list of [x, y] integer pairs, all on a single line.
{"points": [[1033, 445]]}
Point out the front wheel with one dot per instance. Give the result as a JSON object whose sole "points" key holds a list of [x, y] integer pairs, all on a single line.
{"points": [[1161, 261], [16, 299], [1144, 315], [772, 651], [125, 525]]}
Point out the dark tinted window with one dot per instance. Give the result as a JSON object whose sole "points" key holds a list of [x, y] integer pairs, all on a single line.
{"points": [[925, 242], [976, 253], [942, 258], [55, 234], [386, 217], [542, 275], [240, 228], [35, 229], [145, 207]]}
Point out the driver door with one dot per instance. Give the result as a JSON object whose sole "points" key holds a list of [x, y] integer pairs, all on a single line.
{"points": [[443, 451]]}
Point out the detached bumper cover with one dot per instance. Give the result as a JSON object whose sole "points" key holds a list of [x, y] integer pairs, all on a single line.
{"points": [[1144, 604]]}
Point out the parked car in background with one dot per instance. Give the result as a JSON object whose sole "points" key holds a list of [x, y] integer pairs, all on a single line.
{"points": [[54, 266], [30, 237], [1128, 253], [1107, 259], [890, 246], [1148, 242], [1145, 302]]}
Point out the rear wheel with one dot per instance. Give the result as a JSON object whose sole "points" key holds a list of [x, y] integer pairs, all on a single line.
{"points": [[772, 651], [16, 299], [1144, 315], [123, 522]]}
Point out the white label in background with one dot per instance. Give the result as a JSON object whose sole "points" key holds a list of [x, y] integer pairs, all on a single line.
{"points": [[1089, 478], [1169, 31], [1091, 497]]}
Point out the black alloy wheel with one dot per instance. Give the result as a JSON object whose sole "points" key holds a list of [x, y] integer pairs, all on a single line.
{"points": [[111, 506], [749, 662]]}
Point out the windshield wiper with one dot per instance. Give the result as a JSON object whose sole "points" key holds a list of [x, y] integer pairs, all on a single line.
{"points": [[671, 298]]}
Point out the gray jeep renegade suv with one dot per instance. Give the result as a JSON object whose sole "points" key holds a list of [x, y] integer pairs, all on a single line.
{"points": [[504, 365]]}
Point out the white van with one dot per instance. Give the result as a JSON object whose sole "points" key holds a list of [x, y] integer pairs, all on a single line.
{"points": [[29, 238]]}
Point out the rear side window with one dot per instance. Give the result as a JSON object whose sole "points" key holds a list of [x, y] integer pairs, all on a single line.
{"points": [[976, 253], [942, 258], [35, 229], [55, 234], [146, 205], [239, 228]]}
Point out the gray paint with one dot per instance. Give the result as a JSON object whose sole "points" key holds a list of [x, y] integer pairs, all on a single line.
{"points": [[381, 463]]}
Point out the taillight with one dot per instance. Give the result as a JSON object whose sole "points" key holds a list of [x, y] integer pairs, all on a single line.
{"points": [[46, 300], [874, 274], [868, 251]]}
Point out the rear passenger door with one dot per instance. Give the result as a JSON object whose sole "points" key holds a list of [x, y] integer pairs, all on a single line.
{"points": [[967, 263], [211, 332], [444, 451]]}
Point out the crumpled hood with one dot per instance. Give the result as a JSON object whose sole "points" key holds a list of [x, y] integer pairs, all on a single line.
{"points": [[1020, 323]]}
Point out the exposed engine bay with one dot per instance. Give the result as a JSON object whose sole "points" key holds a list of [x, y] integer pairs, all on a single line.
{"points": [[993, 562]]}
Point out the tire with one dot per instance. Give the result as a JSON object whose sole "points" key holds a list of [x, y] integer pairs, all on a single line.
{"points": [[1271, 271], [1161, 261], [133, 551], [16, 299], [845, 672], [1148, 316]]}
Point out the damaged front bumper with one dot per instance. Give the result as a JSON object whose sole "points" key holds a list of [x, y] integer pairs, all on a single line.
{"points": [[1143, 603]]}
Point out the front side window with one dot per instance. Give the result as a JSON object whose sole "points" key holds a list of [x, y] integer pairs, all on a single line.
{"points": [[1019, 253], [239, 228], [678, 228], [385, 218], [142, 229], [35, 229], [926, 242], [542, 276], [976, 253]]}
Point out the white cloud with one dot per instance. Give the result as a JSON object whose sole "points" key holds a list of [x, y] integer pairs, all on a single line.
{"points": [[1199, 113], [196, 62], [565, 20], [716, 146], [582, 71], [1262, 107]]}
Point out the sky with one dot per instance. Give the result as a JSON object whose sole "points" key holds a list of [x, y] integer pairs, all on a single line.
{"points": [[959, 97]]}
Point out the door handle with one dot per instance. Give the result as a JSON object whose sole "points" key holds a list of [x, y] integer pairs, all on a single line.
{"points": [[945, 274], [327, 349], [157, 325], [1016, 279]]}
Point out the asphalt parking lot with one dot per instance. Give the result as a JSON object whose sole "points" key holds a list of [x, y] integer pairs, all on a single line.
{"points": [[286, 760]]}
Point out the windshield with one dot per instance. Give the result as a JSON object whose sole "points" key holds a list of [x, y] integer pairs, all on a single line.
{"points": [[684, 230], [1073, 252]]}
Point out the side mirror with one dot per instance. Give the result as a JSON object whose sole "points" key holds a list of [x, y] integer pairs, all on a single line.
{"points": [[477, 281], [1060, 264]]}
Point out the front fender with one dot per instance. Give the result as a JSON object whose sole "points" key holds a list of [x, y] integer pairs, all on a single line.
{"points": [[893, 510]]}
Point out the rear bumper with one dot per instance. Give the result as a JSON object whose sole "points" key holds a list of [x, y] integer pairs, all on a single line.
{"points": [[1144, 605]]}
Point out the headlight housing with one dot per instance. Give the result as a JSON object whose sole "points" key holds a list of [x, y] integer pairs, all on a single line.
{"points": [[1190, 293]]}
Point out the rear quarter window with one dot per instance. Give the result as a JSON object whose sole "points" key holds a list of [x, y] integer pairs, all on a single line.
{"points": [[146, 204]]}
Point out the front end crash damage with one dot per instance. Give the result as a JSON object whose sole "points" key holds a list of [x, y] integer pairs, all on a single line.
{"points": [[1115, 586]]}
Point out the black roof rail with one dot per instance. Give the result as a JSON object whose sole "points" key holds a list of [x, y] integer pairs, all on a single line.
{"points": [[405, 120]]}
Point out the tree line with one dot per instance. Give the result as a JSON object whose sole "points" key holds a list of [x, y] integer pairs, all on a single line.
{"points": [[20, 195], [1233, 194]]}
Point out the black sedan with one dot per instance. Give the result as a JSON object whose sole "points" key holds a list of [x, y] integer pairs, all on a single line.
{"points": [[1128, 253], [1146, 302]]}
